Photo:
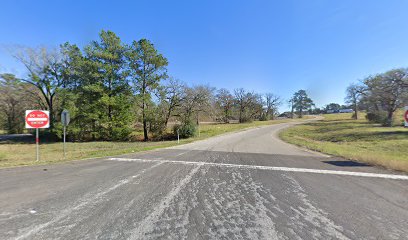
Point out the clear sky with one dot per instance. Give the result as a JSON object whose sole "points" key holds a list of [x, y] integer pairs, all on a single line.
{"points": [[265, 46]]}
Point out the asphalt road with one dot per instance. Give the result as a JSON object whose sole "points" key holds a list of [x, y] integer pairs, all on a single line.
{"points": [[246, 185]]}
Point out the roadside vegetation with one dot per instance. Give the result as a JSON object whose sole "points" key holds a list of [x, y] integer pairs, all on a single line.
{"points": [[21, 154], [355, 139], [121, 99], [114, 89]]}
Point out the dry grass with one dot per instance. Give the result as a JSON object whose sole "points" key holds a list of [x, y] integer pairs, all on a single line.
{"points": [[20, 154], [359, 140]]}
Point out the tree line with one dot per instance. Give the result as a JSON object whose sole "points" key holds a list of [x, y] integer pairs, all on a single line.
{"points": [[380, 95], [112, 88]]}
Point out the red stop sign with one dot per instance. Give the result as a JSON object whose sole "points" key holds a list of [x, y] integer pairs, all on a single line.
{"points": [[406, 116], [37, 119]]}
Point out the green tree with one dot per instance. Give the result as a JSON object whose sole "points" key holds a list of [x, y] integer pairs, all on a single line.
{"points": [[333, 107], [302, 102], [387, 92], [106, 87], [147, 68], [13, 103]]}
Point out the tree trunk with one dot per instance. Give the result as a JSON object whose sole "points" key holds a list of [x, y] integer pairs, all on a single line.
{"points": [[146, 137], [292, 112], [51, 108], [355, 111], [240, 115], [166, 120], [389, 118], [110, 110]]}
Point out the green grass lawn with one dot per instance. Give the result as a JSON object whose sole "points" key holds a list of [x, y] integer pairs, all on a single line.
{"points": [[18, 154], [359, 140]]}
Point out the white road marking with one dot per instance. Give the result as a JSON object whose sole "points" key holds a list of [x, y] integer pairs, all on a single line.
{"points": [[284, 169]]}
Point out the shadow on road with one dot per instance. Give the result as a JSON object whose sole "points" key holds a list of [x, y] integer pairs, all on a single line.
{"points": [[347, 164]]}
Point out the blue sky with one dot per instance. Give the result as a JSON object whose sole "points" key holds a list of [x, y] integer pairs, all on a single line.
{"points": [[264, 46]]}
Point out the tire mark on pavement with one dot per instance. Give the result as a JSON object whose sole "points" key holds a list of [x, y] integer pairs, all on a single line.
{"points": [[83, 202], [147, 224], [312, 214]]}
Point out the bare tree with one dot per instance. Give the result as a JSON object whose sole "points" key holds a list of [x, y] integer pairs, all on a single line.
{"points": [[196, 99], [249, 104], [353, 95], [241, 102], [225, 101], [173, 95], [44, 67], [272, 102]]}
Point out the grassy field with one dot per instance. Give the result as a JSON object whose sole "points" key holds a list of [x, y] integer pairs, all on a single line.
{"points": [[18, 154], [359, 140]]}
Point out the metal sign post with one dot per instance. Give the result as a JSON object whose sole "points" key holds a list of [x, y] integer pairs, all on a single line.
{"points": [[37, 143], [65, 121], [64, 148], [37, 119], [178, 136]]}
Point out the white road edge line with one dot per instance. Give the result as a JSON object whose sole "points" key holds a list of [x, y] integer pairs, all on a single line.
{"points": [[284, 169]]}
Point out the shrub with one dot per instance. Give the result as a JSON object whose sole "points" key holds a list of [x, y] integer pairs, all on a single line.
{"points": [[377, 117], [186, 129], [245, 119], [264, 117], [158, 128]]}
